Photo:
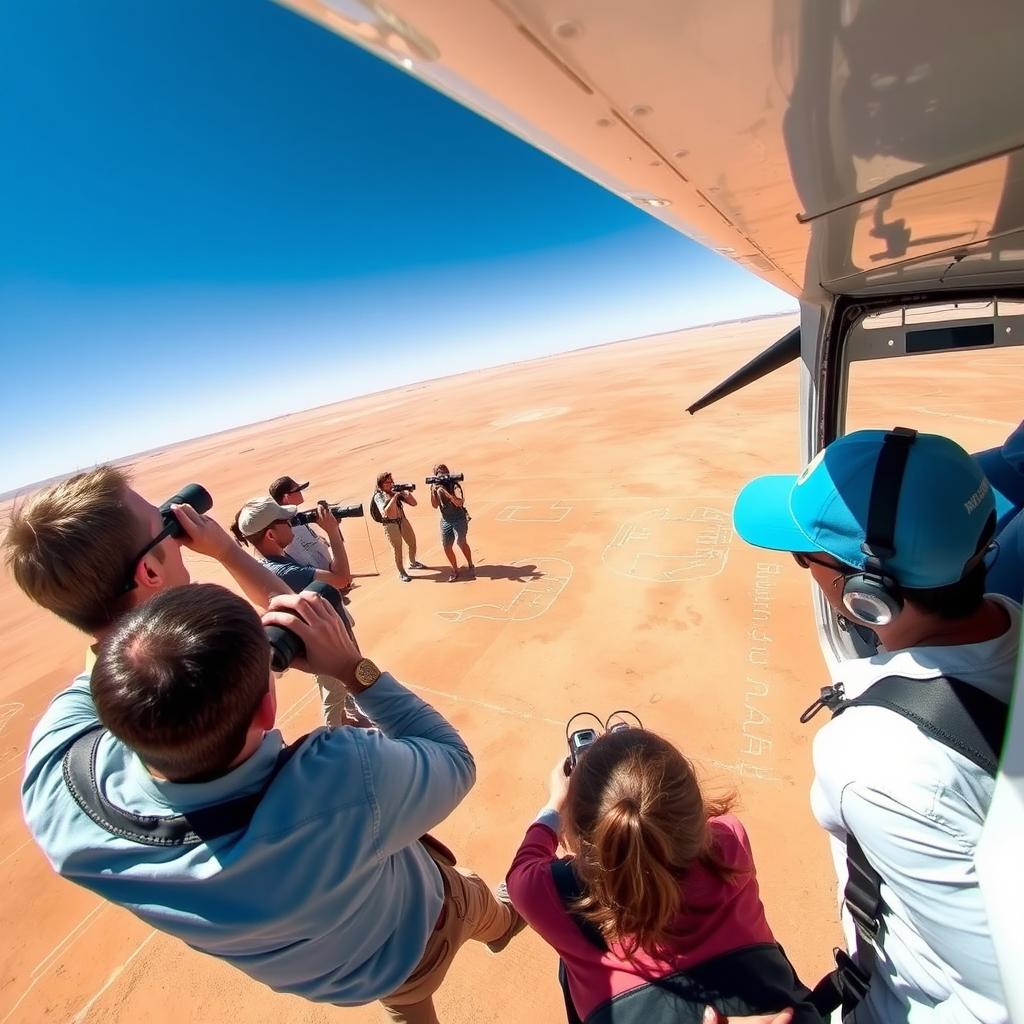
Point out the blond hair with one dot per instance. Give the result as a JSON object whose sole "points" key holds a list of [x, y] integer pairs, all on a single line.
{"points": [[68, 547]]}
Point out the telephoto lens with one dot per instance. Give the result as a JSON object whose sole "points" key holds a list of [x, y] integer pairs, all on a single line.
{"points": [[191, 494], [285, 646], [445, 481], [338, 511], [404, 487]]}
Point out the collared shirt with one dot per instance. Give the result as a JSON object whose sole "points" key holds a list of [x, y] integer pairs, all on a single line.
{"points": [[917, 809], [327, 894], [308, 548]]}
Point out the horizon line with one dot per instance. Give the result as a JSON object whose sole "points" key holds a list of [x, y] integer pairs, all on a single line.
{"points": [[15, 492]]}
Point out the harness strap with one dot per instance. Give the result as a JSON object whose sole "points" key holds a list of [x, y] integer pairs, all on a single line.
{"points": [[189, 829], [946, 709]]}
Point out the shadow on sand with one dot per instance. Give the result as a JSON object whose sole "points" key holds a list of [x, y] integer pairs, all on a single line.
{"points": [[517, 573]]}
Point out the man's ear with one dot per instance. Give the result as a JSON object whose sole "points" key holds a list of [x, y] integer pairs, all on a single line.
{"points": [[266, 711], [150, 576]]}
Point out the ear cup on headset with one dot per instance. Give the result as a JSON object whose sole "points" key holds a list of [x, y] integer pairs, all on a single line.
{"points": [[872, 598]]}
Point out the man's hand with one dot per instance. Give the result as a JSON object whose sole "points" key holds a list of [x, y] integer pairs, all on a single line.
{"points": [[558, 786], [712, 1016], [325, 519], [203, 535], [330, 651]]}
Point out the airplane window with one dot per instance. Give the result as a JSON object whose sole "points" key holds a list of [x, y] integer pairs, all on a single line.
{"points": [[975, 397]]}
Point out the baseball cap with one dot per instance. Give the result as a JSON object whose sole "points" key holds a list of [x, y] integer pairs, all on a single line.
{"points": [[260, 512], [944, 506], [285, 485]]}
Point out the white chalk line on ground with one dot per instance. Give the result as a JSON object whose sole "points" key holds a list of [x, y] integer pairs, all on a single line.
{"points": [[70, 938], [15, 851], [487, 705], [40, 970], [115, 974], [963, 416]]}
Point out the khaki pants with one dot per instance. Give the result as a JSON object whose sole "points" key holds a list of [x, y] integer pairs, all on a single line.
{"points": [[339, 708], [470, 911], [396, 532]]}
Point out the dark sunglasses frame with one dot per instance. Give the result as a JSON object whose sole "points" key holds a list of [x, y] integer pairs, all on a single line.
{"points": [[169, 529]]}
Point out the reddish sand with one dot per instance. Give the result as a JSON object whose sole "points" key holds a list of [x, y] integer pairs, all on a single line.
{"points": [[609, 578]]}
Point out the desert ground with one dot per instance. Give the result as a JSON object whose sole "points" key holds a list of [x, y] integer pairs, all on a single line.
{"points": [[609, 577]]}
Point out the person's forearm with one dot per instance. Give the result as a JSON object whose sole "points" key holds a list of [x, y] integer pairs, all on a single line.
{"points": [[258, 583], [399, 713], [339, 556]]}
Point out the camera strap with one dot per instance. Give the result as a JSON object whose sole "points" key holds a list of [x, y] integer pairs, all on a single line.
{"points": [[956, 714], [189, 829]]}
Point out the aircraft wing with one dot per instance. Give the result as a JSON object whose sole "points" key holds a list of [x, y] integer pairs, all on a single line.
{"points": [[818, 143]]}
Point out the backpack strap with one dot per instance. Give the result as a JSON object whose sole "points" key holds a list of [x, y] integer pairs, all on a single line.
{"points": [[189, 829], [957, 715]]}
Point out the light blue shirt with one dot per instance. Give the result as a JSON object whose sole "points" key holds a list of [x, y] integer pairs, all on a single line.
{"points": [[326, 894]]}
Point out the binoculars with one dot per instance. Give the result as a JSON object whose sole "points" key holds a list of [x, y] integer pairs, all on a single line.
{"points": [[584, 736], [191, 494], [446, 481], [338, 511], [286, 646]]}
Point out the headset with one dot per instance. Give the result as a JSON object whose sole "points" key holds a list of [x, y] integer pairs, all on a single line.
{"points": [[871, 595]]}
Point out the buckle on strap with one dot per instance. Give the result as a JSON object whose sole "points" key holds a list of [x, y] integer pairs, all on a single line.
{"points": [[831, 697], [867, 924], [853, 982]]}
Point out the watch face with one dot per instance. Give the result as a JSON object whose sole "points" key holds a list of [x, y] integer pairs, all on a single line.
{"points": [[366, 672]]}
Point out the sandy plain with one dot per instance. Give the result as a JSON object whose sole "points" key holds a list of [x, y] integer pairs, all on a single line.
{"points": [[609, 578]]}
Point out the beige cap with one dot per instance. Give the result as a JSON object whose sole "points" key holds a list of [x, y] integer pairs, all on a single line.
{"points": [[260, 512]]}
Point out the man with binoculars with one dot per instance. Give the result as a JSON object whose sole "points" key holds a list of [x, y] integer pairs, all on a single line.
{"points": [[90, 548], [305, 866]]}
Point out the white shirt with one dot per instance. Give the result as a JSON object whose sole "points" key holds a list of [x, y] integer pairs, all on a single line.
{"points": [[917, 809], [307, 548]]}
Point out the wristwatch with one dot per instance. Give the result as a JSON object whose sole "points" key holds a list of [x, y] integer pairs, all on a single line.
{"points": [[366, 673]]}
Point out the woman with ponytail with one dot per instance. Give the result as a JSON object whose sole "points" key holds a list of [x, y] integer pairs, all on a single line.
{"points": [[655, 913]]}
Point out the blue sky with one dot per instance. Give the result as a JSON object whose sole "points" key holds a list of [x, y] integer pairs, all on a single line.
{"points": [[214, 213]]}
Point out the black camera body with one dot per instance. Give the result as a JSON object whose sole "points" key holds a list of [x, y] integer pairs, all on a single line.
{"points": [[285, 646], [338, 511], [584, 736], [191, 494], [446, 481], [403, 487]]}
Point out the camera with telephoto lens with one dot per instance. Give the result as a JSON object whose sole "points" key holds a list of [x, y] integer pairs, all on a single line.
{"points": [[338, 511], [286, 646], [583, 736], [191, 494], [446, 481], [403, 487]]}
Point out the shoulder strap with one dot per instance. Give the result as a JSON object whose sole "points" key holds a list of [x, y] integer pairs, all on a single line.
{"points": [[189, 829], [958, 715]]}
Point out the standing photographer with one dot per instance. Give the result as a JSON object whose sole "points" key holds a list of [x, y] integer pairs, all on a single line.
{"points": [[388, 501], [307, 546], [447, 497], [264, 524]]}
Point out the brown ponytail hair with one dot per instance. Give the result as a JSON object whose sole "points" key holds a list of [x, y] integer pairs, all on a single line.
{"points": [[637, 821]]}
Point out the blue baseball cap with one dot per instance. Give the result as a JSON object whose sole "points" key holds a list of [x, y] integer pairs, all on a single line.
{"points": [[945, 503]]}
